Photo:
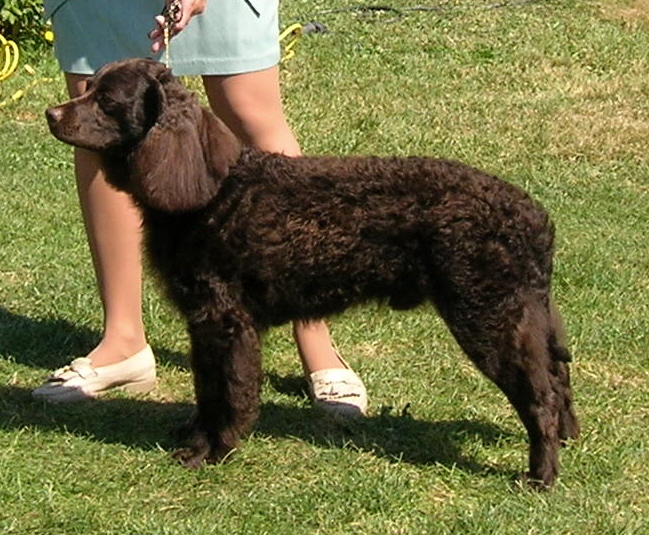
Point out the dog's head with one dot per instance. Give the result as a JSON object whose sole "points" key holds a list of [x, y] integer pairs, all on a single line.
{"points": [[175, 152]]}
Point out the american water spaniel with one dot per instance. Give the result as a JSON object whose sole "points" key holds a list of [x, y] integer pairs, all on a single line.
{"points": [[244, 240]]}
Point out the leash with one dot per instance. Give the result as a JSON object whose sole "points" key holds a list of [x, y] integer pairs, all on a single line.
{"points": [[172, 13]]}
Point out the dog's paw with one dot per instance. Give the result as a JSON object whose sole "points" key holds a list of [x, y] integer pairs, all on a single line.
{"points": [[196, 445], [193, 458], [199, 448], [527, 481], [189, 457]]}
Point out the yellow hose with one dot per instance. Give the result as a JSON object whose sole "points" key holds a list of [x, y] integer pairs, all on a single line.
{"points": [[8, 58], [291, 35]]}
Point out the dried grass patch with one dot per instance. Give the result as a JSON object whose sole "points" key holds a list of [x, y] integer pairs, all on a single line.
{"points": [[631, 13], [602, 118]]}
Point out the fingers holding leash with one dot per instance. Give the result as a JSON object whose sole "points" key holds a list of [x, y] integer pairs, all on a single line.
{"points": [[180, 11], [173, 19]]}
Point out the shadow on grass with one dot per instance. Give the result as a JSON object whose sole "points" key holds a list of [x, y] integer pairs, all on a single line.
{"points": [[51, 342], [399, 438], [396, 435], [147, 425]]}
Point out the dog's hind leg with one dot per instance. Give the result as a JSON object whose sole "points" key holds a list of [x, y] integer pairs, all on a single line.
{"points": [[226, 365], [512, 345]]}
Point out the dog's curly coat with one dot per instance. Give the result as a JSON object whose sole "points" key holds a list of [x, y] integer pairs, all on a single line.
{"points": [[245, 240]]}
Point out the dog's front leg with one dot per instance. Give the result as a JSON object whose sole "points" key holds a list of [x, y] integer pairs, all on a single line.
{"points": [[226, 364]]}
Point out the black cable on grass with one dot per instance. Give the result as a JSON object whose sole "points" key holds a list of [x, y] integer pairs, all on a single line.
{"points": [[374, 12]]}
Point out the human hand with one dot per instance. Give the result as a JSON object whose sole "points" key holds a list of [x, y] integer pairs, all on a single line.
{"points": [[188, 8]]}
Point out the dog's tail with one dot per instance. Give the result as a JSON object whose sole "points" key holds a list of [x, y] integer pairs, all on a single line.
{"points": [[568, 423], [557, 335], [540, 388], [540, 331]]}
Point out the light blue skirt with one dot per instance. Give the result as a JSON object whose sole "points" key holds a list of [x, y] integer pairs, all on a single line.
{"points": [[230, 37]]}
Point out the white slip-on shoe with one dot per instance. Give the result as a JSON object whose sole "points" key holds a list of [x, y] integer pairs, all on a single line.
{"points": [[79, 380], [339, 392]]}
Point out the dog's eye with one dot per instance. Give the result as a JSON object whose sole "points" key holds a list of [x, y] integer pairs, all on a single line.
{"points": [[107, 104]]}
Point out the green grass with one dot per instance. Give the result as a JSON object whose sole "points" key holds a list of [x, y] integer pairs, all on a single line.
{"points": [[551, 95]]}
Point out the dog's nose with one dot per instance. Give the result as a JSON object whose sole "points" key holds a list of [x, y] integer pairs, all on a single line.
{"points": [[53, 114]]}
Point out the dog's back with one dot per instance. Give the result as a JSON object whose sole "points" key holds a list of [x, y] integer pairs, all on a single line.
{"points": [[320, 234]]}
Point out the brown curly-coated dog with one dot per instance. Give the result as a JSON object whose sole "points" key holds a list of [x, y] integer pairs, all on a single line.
{"points": [[245, 240]]}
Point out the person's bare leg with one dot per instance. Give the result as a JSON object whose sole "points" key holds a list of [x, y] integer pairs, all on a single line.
{"points": [[114, 235], [250, 104]]}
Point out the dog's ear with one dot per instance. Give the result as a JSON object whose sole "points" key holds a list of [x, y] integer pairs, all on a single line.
{"points": [[155, 99], [187, 151], [153, 102], [220, 146], [168, 171]]}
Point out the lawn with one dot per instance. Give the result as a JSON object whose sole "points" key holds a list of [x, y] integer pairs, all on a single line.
{"points": [[550, 95]]}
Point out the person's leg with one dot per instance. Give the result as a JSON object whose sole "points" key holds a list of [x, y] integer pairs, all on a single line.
{"points": [[113, 229], [112, 225], [250, 104]]}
